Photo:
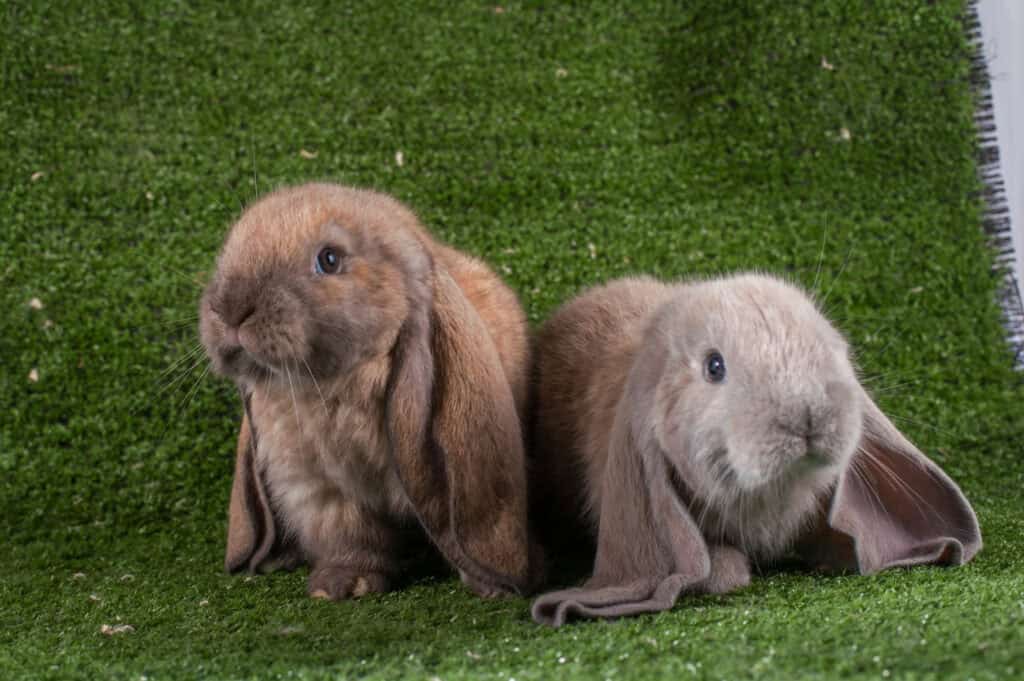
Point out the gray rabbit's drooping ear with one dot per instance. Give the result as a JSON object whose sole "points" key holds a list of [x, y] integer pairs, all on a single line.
{"points": [[894, 507], [456, 438], [252, 529], [649, 549]]}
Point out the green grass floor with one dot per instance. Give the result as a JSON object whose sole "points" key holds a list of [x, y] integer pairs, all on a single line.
{"points": [[565, 144]]}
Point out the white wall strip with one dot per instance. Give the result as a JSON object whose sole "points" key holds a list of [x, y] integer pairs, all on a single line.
{"points": [[1000, 71]]}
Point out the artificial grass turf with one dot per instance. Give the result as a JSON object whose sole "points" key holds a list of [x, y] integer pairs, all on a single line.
{"points": [[565, 144]]}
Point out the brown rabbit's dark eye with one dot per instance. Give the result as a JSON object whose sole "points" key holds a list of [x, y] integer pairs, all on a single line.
{"points": [[714, 367], [328, 261]]}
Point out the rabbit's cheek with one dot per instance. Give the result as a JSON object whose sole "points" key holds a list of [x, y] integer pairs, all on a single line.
{"points": [[762, 461], [277, 333], [283, 345], [210, 339], [849, 429]]}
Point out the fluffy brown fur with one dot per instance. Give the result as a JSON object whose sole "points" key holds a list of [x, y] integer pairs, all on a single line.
{"points": [[380, 397]]}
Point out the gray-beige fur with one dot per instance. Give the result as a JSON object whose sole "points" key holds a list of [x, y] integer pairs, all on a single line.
{"points": [[686, 480]]}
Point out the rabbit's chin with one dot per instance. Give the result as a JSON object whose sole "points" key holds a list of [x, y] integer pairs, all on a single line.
{"points": [[247, 372], [764, 517]]}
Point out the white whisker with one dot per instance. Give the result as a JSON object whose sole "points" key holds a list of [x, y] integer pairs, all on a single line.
{"points": [[842, 269], [192, 280], [180, 362], [252, 146], [861, 471], [922, 424], [317, 385], [707, 502], [743, 511], [195, 389], [895, 387], [886, 375], [163, 324], [181, 405], [821, 258], [295, 405], [185, 373], [899, 483]]}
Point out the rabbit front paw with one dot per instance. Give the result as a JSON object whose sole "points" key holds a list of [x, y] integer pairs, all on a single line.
{"points": [[730, 570], [335, 583], [482, 589]]}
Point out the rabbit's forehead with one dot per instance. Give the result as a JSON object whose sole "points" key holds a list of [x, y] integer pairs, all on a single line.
{"points": [[278, 230], [284, 239], [288, 224], [760, 318]]}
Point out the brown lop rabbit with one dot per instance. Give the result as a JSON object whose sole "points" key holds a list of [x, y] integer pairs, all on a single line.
{"points": [[698, 427], [383, 376]]}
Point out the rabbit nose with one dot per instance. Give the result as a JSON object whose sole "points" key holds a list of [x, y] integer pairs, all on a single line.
{"points": [[806, 421], [235, 317], [809, 422], [234, 300], [802, 421], [817, 419]]}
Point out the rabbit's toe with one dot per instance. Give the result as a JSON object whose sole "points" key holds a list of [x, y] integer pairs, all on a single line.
{"points": [[480, 588], [730, 570], [337, 583]]}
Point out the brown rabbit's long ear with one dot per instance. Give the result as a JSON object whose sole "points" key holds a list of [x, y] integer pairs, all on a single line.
{"points": [[251, 528], [897, 506], [456, 437], [649, 549]]}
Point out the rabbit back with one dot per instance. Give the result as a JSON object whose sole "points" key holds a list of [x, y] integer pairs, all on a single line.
{"points": [[582, 358]]}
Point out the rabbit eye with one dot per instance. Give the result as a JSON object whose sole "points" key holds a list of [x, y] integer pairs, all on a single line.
{"points": [[714, 367], [328, 261]]}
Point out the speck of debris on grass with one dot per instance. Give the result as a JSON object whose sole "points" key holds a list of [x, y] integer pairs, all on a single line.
{"points": [[115, 629]]}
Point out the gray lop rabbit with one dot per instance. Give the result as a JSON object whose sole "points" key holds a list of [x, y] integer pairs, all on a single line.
{"points": [[698, 427]]}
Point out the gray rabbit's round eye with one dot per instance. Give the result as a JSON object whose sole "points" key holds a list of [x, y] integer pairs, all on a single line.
{"points": [[328, 261], [714, 367]]}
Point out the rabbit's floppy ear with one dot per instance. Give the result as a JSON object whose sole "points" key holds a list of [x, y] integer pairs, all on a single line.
{"points": [[649, 549], [456, 438], [251, 528], [896, 506]]}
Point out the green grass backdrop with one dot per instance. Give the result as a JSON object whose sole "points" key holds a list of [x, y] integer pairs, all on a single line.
{"points": [[565, 143]]}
